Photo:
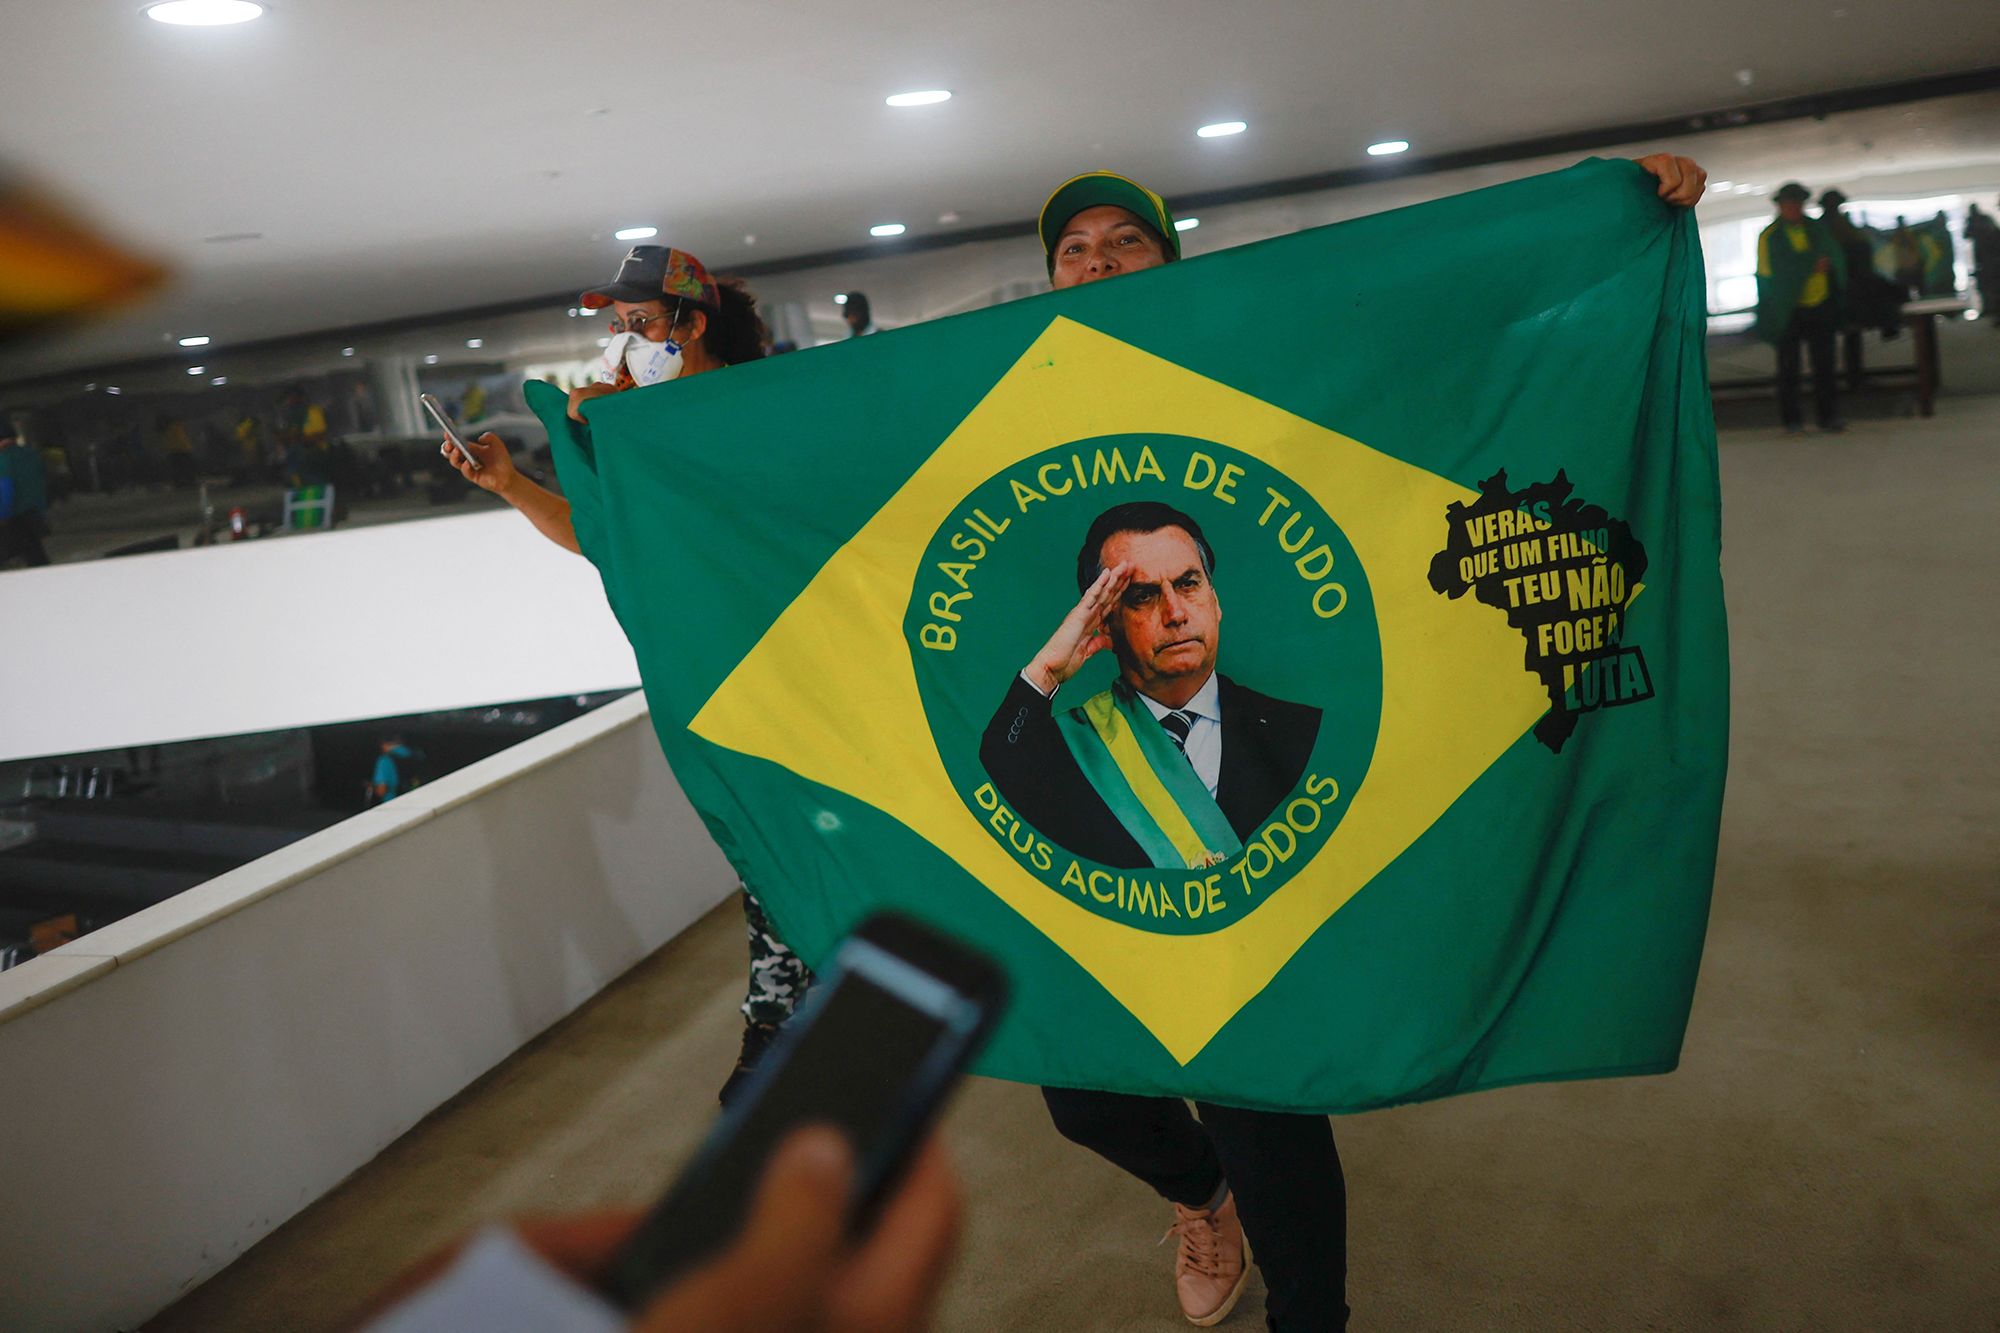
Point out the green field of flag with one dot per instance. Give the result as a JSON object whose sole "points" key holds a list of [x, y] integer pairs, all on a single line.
{"points": [[1457, 465]]}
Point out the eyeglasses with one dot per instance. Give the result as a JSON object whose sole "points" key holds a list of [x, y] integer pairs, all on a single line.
{"points": [[639, 323]]}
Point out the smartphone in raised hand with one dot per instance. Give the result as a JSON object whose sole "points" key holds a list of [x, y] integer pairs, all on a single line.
{"points": [[883, 1037], [443, 419]]}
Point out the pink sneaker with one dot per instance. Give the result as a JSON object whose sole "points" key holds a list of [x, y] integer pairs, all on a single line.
{"points": [[1213, 1263]]}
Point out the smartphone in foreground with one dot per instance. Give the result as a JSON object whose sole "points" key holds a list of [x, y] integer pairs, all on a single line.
{"points": [[884, 1035], [438, 414]]}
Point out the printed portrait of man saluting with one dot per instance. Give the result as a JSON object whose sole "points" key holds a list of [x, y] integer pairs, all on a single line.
{"points": [[1176, 764]]}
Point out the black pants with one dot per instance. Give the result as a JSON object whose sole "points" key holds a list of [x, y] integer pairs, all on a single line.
{"points": [[1283, 1170], [1816, 327]]}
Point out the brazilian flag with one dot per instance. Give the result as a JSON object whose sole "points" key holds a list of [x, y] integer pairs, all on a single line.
{"points": [[1450, 819], [1940, 268]]}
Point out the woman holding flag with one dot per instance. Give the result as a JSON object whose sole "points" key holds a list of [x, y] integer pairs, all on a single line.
{"points": [[672, 320]]}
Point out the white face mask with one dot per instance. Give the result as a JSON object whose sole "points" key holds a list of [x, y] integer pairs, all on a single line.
{"points": [[645, 361]]}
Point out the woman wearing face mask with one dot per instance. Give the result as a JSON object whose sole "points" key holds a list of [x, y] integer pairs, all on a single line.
{"points": [[673, 320]]}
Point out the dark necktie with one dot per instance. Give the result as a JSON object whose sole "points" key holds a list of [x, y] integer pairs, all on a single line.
{"points": [[1178, 725]]}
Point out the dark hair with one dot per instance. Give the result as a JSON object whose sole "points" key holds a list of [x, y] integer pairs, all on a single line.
{"points": [[736, 332], [1135, 516], [857, 303]]}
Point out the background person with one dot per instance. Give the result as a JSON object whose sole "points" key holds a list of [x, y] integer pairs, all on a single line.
{"points": [[1801, 287], [249, 435], [1873, 302], [860, 320], [393, 766], [179, 449], [24, 499], [673, 320], [1983, 234], [661, 299], [1909, 259], [302, 439]]}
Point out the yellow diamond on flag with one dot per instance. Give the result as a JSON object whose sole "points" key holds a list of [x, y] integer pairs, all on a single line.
{"points": [[831, 694]]}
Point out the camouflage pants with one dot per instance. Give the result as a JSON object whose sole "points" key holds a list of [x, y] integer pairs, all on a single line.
{"points": [[778, 977]]}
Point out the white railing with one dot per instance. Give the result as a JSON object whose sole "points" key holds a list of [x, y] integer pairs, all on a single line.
{"points": [[180, 1083]]}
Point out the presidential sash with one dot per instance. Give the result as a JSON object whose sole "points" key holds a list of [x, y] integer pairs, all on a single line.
{"points": [[1148, 783]]}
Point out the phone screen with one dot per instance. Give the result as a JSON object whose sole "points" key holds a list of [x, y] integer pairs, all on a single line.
{"points": [[870, 1043], [876, 1047]]}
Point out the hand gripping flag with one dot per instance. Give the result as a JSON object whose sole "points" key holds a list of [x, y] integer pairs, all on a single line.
{"points": [[1456, 467]]}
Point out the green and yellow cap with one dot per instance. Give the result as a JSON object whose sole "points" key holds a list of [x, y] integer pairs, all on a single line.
{"points": [[1094, 188]]}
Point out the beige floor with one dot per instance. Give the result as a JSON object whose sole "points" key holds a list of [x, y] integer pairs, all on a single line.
{"points": [[1828, 1156]]}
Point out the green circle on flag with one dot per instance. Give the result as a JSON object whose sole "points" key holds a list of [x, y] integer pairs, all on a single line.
{"points": [[1093, 797]]}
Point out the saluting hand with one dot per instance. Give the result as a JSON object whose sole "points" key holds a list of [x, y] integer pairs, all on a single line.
{"points": [[1082, 634]]}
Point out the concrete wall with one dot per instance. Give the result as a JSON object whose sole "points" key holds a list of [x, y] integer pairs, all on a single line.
{"points": [[182, 1082]]}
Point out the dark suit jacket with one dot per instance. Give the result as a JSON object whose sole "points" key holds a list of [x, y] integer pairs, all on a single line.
{"points": [[1265, 745]]}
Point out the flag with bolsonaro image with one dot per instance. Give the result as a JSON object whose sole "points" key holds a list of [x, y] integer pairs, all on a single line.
{"points": [[1303, 667]]}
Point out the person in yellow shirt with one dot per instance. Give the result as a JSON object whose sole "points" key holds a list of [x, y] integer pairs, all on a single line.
{"points": [[1801, 291], [179, 447]]}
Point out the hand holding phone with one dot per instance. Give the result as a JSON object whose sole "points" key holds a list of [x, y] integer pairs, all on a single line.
{"points": [[885, 1034], [451, 435], [793, 1266]]}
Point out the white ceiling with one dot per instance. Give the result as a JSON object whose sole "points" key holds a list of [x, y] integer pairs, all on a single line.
{"points": [[403, 158]]}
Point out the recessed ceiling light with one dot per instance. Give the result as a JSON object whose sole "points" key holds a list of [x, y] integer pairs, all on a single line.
{"points": [[887, 229], [947, 219], [1186, 224], [204, 13], [112, 388], [197, 370], [749, 238], [347, 351], [1220, 129], [475, 342], [636, 233], [431, 359], [1388, 147], [1720, 185], [199, 340], [220, 380], [930, 98], [840, 298]]}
